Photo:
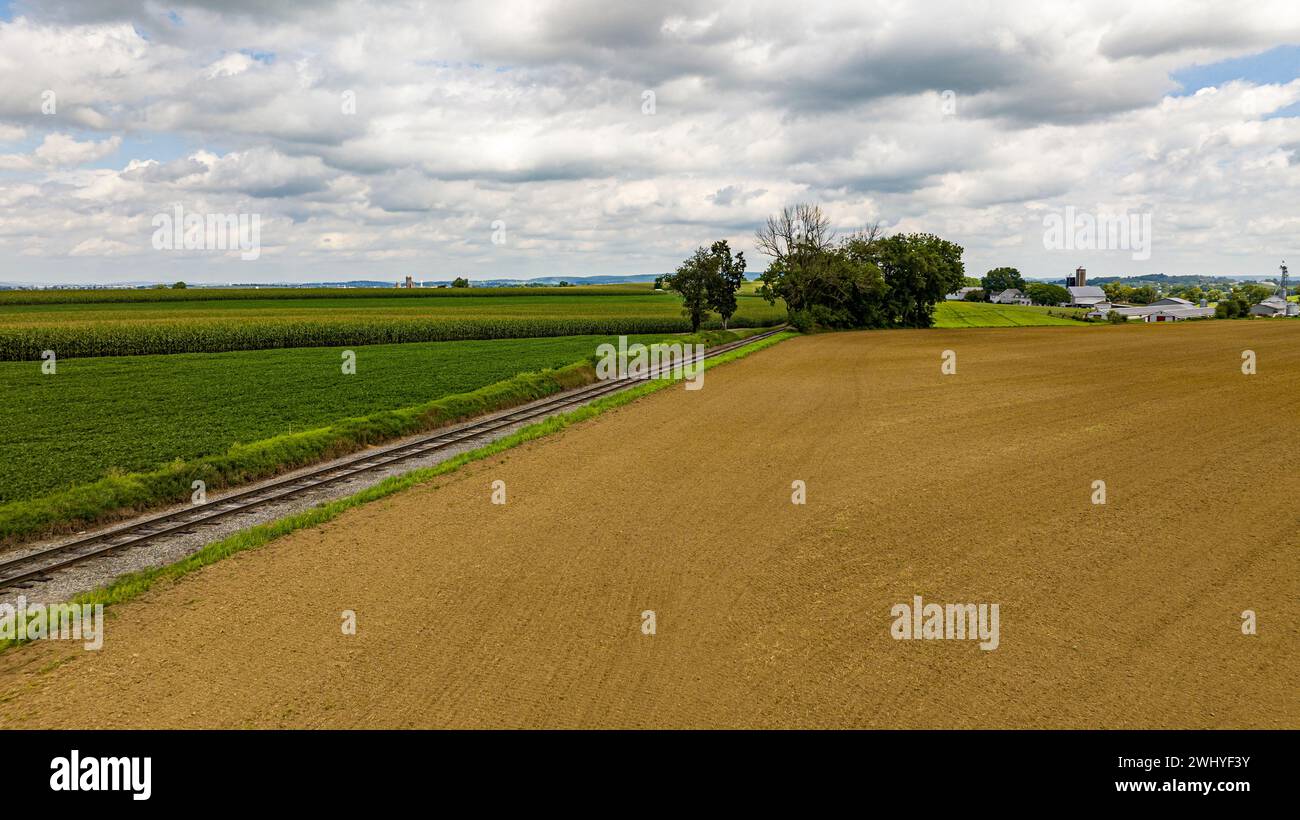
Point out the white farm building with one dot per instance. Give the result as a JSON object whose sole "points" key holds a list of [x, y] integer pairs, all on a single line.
{"points": [[1085, 296]]}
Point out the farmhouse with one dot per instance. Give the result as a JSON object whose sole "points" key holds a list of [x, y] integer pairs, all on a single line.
{"points": [[1010, 296], [959, 294]]}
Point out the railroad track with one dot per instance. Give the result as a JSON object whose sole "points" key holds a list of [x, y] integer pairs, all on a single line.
{"points": [[37, 566]]}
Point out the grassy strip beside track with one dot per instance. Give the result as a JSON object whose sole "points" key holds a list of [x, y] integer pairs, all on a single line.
{"points": [[341, 414], [130, 586]]}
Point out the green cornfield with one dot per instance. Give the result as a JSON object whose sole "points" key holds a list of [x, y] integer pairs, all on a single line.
{"points": [[86, 329], [142, 339], [127, 295]]}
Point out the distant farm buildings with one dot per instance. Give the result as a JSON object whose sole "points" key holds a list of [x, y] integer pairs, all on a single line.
{"points": [[1169, 309], [1275, 306], [1085, 296], [1010, 296], [1098, 305]]}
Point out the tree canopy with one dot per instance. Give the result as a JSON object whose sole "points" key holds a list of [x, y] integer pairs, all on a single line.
{"points": [[1000, 279], [708, 281], [728, 274], [1043, 293], [865, 280]]}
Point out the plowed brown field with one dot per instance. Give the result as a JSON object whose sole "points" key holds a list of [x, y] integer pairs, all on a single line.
{"points": [[974, 487]]}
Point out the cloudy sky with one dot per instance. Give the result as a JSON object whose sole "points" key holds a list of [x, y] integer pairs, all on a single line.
{"points": [[376, 140]]}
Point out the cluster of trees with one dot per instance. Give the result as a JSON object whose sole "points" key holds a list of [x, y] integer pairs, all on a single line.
{"points": [[865, 279], [1042, 293], [1233, 307], [1251, 292], [460, 282], [707, 281], [1130, 295]]}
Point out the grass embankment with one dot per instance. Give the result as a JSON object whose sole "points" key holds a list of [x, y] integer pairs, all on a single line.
{"points": [[134, 584], [116, 496]]}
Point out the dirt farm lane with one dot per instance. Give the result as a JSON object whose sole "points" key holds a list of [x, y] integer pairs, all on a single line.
{"points": [[974, 487]]}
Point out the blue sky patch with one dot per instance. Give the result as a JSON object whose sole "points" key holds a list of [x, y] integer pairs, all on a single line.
{"points": [[1276, 66]]}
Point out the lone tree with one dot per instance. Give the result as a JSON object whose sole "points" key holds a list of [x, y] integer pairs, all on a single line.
{"points": [[729, 273], [1000, 279], [460, 282], [694, 281]]}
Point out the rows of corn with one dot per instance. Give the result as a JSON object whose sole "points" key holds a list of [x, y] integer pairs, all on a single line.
{"points": [[79, 340], [125, 295]]}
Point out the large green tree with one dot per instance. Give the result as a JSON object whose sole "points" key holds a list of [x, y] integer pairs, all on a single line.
{"points": [[1000, 279], [802, 245], [919, 270], [850, 289], [728, 274], [1144, 295], [1043, 293], [693, 280], [1117, 292]]}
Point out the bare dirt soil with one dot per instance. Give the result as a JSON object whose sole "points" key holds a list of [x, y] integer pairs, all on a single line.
{"points": [[974, 487]]}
